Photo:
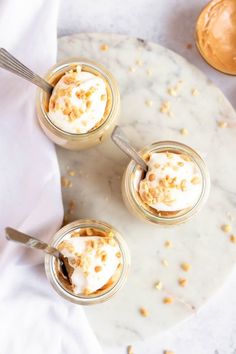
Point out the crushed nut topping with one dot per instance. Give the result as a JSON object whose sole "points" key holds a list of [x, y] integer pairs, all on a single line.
{"points": [[139, 62], [65, 182], [233, 238], [149, 103], [165, 263], [165, 108], [168, 300], [226, 228], [130, 349], [144, 312], [104, 47], [159, 285], [185, 266], [222, 124], [184, 131], [168, 244], [195, 180], [71, 173], [195, 92], [98, 269], [182, 282]]}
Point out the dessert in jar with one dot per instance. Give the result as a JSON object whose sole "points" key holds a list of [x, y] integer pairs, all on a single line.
{"points": [[83, 107], [96, 259], [173, 189]]}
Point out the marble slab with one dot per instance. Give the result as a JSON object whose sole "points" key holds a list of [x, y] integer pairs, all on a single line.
{"points": [[145, 71]]}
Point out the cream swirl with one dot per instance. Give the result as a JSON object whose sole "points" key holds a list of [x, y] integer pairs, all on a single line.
{"points": [[93, 261], [78, 101], [173, 182]]}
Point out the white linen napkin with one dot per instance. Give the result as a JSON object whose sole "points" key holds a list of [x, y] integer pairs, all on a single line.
{"points": [[33, 318]]}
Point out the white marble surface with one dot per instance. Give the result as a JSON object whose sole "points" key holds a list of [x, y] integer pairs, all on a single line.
{"points": [[201, 241], [169, 23]]}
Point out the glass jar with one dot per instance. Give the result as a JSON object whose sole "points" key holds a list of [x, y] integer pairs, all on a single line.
{"points": [[79, 141], [51, 263], [130, 185]]}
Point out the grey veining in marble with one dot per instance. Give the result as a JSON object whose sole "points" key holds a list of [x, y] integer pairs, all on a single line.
{"points": [[145, 71]]}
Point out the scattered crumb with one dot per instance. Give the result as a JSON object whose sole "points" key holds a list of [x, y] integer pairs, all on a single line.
{"points": [[65, 182], [195, 92], [132, 69], [149, 72], [168, 244], [130, 349], [159, 285], [144, 312], [72, 173], [233, 238], [149, 103], [182, 282], [189, 46], [172, 91], [226, 228], [165, 263], [139, 62], [185, 266], [168, 300], [104, 47], [168, 352], [184, 131], [222, 124], [165, 108], [71, 207]]}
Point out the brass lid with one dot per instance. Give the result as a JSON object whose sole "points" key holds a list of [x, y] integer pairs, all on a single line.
{"points": [[216, 35]]}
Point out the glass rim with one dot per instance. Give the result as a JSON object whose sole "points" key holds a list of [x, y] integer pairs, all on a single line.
{"points": [[90, 299], [60, 68], [160, 146]]}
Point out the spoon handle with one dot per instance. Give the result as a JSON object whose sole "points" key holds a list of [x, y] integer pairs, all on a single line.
{"points": [[122, 142], [29, 241], [10, 63]]}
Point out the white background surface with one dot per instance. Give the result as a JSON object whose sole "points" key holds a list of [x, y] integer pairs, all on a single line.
{"points": [[169, 23]]}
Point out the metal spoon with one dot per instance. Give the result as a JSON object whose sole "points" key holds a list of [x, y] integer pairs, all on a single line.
{"points": [[122, 142], [32, 242], [10, 63]]}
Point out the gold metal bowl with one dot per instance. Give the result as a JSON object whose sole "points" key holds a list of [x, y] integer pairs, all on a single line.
{"points": [[216, 35]]}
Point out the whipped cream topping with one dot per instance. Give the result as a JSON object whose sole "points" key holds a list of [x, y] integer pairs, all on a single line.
{"points": [[78, 101], [173, 182], [93, 259]]}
